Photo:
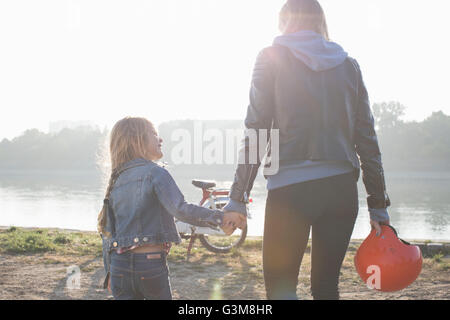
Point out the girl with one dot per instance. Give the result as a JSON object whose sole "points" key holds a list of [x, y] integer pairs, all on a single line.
{"points": [[308, 89], [137, 219]]}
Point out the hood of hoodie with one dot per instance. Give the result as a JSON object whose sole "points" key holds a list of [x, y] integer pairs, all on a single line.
{"points": [[311, 48]]}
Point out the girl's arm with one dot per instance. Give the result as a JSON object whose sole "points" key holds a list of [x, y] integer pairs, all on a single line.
{"points": [[173, 201]]}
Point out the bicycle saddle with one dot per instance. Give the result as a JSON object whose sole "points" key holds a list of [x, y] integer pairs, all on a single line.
{"points": [[203, 184]]}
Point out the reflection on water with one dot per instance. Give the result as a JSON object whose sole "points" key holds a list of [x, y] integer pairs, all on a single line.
{"points": [[420, 201]]}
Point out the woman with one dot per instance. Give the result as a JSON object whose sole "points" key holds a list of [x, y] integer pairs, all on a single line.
{"points": [[137, 219], [312, 92]]}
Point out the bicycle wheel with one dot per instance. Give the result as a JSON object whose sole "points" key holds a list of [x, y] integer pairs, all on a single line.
{"points": [[223, 243]]}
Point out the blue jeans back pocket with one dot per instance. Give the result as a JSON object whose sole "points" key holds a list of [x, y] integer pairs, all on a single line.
{"points": [[155, 284]]}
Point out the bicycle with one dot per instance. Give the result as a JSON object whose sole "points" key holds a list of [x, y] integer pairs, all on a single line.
{"points": [[214, 240]]}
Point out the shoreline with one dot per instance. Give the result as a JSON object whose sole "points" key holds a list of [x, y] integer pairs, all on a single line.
{"points": [[428, 247], [414, 241]]}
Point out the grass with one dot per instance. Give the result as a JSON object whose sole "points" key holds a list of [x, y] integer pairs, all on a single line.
{"points": [[30, 241], [438, 257], [439, 262], [444, 266], [65, 243], [252, 244], [23, 241]]}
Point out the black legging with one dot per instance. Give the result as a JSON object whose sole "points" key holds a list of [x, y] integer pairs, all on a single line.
{"points": [[330, 207]]}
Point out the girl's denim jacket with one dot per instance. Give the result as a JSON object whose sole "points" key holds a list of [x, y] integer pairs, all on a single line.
{"points": [[142, 206]]}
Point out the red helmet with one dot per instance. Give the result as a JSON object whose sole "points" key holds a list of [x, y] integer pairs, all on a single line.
{"points": [[387, 263]]}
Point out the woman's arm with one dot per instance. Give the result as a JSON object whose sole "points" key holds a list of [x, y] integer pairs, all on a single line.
{"points": [[259, 117], [367, 147]]}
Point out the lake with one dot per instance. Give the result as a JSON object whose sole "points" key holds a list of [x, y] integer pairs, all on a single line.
{"points": [[420, 200]]}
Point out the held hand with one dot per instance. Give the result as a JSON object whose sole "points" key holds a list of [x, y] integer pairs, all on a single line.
{"points": [[228, 229], [227, 225], [238, 220], [377, 225], [233, 220]]}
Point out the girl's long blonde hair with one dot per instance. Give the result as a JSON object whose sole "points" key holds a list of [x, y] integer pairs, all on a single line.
{"points": [[298, 15], [129, 139]]}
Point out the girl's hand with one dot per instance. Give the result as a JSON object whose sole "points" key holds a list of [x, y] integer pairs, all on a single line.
{"points": [[377, 225], [228, 229], [231, 221]]}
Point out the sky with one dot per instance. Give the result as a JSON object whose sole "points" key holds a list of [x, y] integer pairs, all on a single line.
{"points": [[177, 59]]}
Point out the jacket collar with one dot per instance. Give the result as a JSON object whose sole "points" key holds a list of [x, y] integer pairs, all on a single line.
{"points": [[135, 163]]}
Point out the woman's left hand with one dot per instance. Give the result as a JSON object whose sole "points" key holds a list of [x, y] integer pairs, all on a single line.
{"points": [[377, 225]]}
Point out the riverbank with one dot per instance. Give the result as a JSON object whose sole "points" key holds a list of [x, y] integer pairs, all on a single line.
{"points": [[34, 265]]}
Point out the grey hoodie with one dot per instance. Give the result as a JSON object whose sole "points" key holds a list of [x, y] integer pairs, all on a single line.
{"points": [[311, 48]]}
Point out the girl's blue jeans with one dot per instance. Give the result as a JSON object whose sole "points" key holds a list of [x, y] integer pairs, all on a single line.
{"points": [[139, 276]]}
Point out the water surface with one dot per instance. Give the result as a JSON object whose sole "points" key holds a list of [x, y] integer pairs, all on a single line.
{"points": [[420, 201]]}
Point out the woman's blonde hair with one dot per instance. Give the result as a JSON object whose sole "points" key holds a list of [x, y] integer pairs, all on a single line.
{"points": [[298, 15], [129, 139]]}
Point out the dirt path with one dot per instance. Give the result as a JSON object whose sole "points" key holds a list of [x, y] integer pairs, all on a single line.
{"points": [[237, 275]]}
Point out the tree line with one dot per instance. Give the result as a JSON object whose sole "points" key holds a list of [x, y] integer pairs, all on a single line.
{"points": [[404, 144], [412, 144], [69, 149]]}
